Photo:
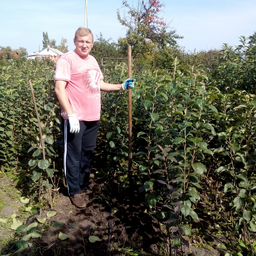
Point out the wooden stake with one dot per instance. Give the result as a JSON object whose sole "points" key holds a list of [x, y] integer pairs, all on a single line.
{"points": [[42, 143], [130, 108]]}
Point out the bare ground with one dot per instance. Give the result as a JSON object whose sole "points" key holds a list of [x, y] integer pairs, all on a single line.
{"points": [[97, 230], [9, 205]]}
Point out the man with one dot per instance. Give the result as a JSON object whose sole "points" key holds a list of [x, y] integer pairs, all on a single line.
{"points": [[78, 85]]}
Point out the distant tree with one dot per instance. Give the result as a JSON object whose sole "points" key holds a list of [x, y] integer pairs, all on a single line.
{"points": [[146, 29], [209, 60], [237, 67], [9, 53], [47, 42], [63, 47], [105, 49]]}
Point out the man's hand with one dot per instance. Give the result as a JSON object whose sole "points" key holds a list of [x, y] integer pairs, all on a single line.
{"points": [[128, 84], [74, 125]]}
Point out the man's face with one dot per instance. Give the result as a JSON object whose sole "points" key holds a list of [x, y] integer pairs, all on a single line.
{"points": [[84, 45]]}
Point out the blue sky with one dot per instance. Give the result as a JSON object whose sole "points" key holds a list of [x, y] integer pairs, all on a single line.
{"points": [[204, 24]]}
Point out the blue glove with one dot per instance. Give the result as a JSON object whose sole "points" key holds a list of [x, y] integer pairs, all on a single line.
{"points": [[128, 84]]}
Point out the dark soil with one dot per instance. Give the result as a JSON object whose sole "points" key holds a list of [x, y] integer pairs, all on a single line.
{"points": [[110, 225], [81, 226], [99, 229]]}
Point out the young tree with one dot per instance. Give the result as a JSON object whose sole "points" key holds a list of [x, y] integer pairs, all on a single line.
{"points": [[147, 32], [145, 24]]}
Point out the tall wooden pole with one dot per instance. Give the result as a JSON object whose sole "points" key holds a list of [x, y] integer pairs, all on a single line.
{"points": [[130, 108]]}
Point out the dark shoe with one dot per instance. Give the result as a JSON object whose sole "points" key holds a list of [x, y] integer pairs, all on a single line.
{"points": [[78, 200]]}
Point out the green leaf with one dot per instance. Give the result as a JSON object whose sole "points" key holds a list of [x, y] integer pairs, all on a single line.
{"points": [[31, 226], [22, 245], [242, 193], [9, 134], [228, 187], [49, 140], [140, 134], [36, 176], [213, 108], [221, 169], [194, 215], [252, 226], [112, 144], [94, 239], [154, 116], [41, 220], [108, 136], [199, 168], [237, 203], [194, 195], [50, 172], [37, 153], [51, 214], [240, 158], [240, 107], [148, 186], [152, 201], [186, 230], [211, 128], [118, 129], [31, 235], [247, 215], [147, 104], [15, 223], [32, 163], [243, 245], [222, 135], [24, 200], [164, 96], [186, 208], [43, 164], [62, 236], [179, 140]]}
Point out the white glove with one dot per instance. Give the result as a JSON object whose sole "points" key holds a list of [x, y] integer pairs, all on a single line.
{"points": [[73, 123]]}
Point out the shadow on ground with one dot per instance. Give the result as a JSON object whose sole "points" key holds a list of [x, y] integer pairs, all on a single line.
{"points": [[103, 228]]}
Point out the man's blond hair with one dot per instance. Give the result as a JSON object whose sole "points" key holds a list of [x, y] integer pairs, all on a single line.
{"points": [[82, 31]]}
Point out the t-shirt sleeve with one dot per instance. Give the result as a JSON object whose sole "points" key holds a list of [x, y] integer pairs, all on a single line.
{"points": [[63, 70]]}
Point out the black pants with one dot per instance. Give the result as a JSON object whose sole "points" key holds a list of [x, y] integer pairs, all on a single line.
{"points": [[78, 152]]}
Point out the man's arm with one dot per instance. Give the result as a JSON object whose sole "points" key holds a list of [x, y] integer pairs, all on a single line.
{"points": [[107, 87], [62, 96]]}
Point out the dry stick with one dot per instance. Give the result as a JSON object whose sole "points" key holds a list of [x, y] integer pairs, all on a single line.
{"points": [[38, 119], [130, 109]]}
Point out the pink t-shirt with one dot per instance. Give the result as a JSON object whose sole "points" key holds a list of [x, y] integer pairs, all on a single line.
{"points": [[83, 87]]}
